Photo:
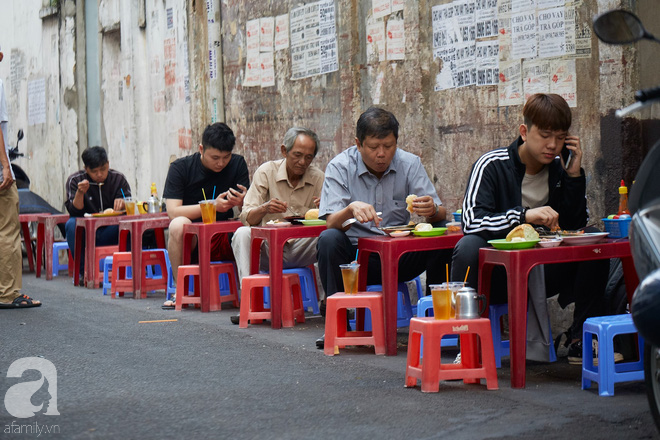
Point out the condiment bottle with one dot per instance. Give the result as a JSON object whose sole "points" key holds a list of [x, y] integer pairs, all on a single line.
{"points": [[623, 199]]}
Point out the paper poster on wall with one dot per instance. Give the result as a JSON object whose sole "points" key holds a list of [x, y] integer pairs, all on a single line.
{"points": [[210, 11], [486, 18], [297, 28], [380, 8], [282, 32], [252, 70], [445, 78], [445, 28], [504, 37], [551, 33], [510, 86], [518, 6], [396, 39], [523, 35], [466, 65], [213, 62], [252, 36], [536, 77], [313, 39], [312, 35], [328, 51], [37, 101], [487, 58], [267, 69], [375, 40], [563, 80], [464, 14], [547, 4], [266, 33], [569, 25], [397, 5]]}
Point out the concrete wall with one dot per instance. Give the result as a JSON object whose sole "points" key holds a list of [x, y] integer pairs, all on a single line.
{"points": [[158, 94]]}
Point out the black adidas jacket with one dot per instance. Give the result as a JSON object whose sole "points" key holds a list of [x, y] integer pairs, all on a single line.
{"points": [[493, 197]]}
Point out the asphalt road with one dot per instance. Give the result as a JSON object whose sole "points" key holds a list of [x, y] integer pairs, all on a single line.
{"points": [[202, 377]]}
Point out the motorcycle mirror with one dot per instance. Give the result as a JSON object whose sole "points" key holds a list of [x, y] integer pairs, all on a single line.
{"points": [[620, 27], [20, 134]]}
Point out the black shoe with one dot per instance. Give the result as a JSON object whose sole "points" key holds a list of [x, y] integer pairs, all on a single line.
{"points": [[575, 353], [320, 342], [322, 308], [235, 319]]}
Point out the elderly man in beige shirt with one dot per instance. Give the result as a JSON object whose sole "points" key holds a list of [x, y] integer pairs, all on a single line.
{"points": [[281, 188]]}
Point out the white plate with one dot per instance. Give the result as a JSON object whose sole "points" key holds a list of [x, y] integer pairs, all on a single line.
{"points": [[586, 238], [399, 233], [278, 224]]}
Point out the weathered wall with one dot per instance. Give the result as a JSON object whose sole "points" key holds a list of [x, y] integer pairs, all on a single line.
{"points": [[448, 129]]}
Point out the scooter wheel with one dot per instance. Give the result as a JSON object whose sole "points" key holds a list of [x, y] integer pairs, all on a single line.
{"points": [[652, 379]]}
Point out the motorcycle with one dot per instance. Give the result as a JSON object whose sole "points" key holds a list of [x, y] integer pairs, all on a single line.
{"points": [[624, 27]]}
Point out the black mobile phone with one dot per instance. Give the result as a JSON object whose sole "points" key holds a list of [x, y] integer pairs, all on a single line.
{"points": [[566, 155]]}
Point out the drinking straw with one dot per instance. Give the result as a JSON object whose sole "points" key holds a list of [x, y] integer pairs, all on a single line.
{"points": [[203, 193], [122, 193], [213, 192], [447, 269], [356, 255], [466, 275]]}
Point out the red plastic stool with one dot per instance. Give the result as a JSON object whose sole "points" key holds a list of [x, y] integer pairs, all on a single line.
{"points": [[218, 269], [252, 300], [182, 284], [336, 335], [99, 253], [432, 371], [153, 258], [120, 282]]}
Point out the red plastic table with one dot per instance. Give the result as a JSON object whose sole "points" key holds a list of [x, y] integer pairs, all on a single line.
{"points": [[390, 250], [276, 237], [45, 234], [24, 219], [518, 264], [204, 234], [136, 225], [87, 226]]}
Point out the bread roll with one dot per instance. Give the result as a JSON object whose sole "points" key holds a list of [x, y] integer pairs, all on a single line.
{"points": [[312, 214], [423, 227], [409, 202], [524, 232], [108, 211]]}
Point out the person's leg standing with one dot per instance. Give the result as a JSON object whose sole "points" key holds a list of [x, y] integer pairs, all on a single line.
{"points": [[11, 256]]}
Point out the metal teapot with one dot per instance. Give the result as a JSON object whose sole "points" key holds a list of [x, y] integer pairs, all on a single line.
{"points": [[467, 304], [152, 205]]}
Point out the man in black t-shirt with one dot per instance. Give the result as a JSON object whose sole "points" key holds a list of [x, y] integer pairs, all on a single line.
{"points": [[212, 170]]}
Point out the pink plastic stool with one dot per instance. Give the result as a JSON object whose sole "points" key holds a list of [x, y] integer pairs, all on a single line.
{"points": [[432, 371], [336, 335], [99, 253], [216, 270], [252, 300]]}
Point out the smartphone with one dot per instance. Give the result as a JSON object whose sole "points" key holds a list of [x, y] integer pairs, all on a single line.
{"points": [[566, 155]]}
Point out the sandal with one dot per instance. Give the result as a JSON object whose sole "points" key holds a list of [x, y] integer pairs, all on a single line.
{"points": [[170, 304], [21, 302]]}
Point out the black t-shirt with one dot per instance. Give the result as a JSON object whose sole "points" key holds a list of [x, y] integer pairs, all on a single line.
{"points": [[187, 176]]}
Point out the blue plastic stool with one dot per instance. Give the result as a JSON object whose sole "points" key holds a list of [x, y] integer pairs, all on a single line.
{"points": [[57, 247], [307, 288], [403, 310], [607, 373], [501, 348]]}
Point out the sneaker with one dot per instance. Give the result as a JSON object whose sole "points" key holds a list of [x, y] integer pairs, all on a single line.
{"points": [[235, 319], [575, 353]]}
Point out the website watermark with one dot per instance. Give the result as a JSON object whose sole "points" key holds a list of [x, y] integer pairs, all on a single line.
{"points": [[28, 398]]}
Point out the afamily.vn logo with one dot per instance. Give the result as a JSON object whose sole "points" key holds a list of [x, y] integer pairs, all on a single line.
{"points": [[19, 397]]}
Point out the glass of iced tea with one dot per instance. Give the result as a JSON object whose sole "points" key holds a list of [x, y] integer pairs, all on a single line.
{"points": [[441, 294], [208, 211], [349, 274], [129, 203]]}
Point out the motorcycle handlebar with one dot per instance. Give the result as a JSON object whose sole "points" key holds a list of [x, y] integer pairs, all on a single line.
{"points": [[648, 94]]}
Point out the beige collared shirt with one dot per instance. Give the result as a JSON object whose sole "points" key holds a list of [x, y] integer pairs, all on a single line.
{"points": [[271, 181]]}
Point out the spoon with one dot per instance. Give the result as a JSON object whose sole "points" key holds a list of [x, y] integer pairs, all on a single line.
{"points": [[350, 221]]}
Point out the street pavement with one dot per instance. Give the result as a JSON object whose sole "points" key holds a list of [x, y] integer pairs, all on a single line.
{"points": [[202, 377]]}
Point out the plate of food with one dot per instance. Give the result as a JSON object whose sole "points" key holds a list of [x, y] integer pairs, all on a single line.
{"points": [[312, 222], [107, 213], [277, 223], [433, 232], [396, 234], [388, 229], [585, 238], [294, 219]]}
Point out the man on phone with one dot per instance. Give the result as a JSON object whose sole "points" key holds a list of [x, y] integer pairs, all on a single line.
{"points": [[213, 169], [528, 183]]}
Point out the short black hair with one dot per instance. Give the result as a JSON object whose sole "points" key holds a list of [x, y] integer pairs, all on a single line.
{"points": [[376, 122], [218, 136], [94, 157], [548, 111]]}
